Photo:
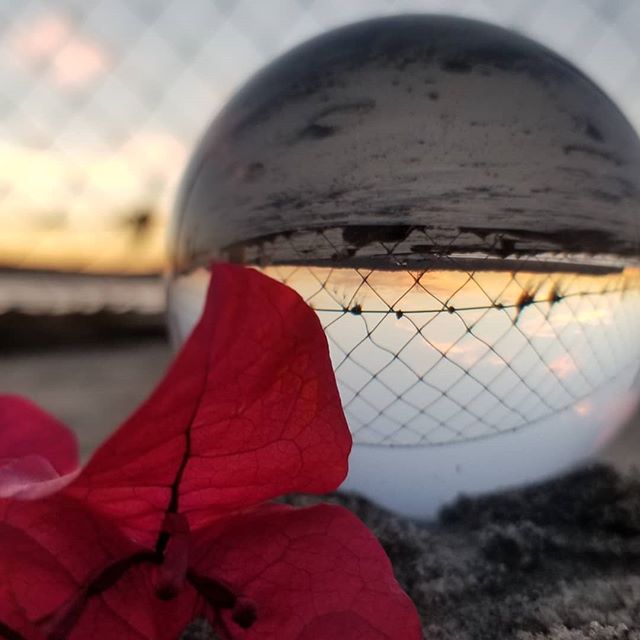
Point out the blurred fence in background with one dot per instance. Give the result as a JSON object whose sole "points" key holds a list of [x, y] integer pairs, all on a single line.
{"points": [[101, 102]]}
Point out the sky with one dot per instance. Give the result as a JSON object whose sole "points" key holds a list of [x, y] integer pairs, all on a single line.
{"points": [[102, 102]]}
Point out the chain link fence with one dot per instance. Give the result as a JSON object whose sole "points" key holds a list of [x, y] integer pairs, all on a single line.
{"points": [[433, 356], [101, 101]]}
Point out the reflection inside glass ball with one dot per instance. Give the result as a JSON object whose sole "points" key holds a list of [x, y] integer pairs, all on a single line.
{"points": [[460, 206], [429, 357]]}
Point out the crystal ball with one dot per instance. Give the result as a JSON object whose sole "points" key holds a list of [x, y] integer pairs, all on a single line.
{"points": [[460, 206]]}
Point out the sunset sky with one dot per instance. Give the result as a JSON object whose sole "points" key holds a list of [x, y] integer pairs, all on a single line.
{"points": [[102, 102]]}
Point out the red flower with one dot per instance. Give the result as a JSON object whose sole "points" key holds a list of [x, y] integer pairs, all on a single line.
{"points": [[168, 520]]}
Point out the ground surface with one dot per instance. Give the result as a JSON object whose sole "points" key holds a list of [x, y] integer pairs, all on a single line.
{"points": [[559, 561]]}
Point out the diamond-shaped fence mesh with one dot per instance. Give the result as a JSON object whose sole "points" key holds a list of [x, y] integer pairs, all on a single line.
{"points": [[102, 101], [464, 349]]}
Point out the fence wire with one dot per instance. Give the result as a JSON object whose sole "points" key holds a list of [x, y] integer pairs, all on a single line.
{"points": [[101, 101], [462, 350]]}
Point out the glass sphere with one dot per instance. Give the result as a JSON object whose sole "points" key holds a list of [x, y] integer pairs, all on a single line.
{"points": [[461, 208]]}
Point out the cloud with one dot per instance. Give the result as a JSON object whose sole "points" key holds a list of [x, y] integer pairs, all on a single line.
{"points": [[78, 63], [584, 408], [51, 45], [564, 366], [36, 41], [156, 152], [39, 180]]}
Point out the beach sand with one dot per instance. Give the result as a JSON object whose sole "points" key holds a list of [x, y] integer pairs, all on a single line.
{"points": [[561, 560]]}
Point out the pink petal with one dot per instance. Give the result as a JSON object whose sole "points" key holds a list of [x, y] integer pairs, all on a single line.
{"points": [[30, 478], [38, 454], [26, 430]]}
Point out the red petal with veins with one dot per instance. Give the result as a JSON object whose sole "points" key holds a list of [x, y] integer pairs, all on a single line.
{"points": [[137, 545], [248, 411], [50, 548], [129, 610], [312, 573], [26, 430], [72, 574]]}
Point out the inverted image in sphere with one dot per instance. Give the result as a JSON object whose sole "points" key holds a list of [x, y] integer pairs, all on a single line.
{"points": [[460, 206]]}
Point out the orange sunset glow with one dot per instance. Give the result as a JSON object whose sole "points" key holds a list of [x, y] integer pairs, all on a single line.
{"points": [[102, 105], [435, 290], [49, 222]]}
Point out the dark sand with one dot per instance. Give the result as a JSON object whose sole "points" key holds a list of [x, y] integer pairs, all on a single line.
{"points": [[557, 561], [561, 560]]}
